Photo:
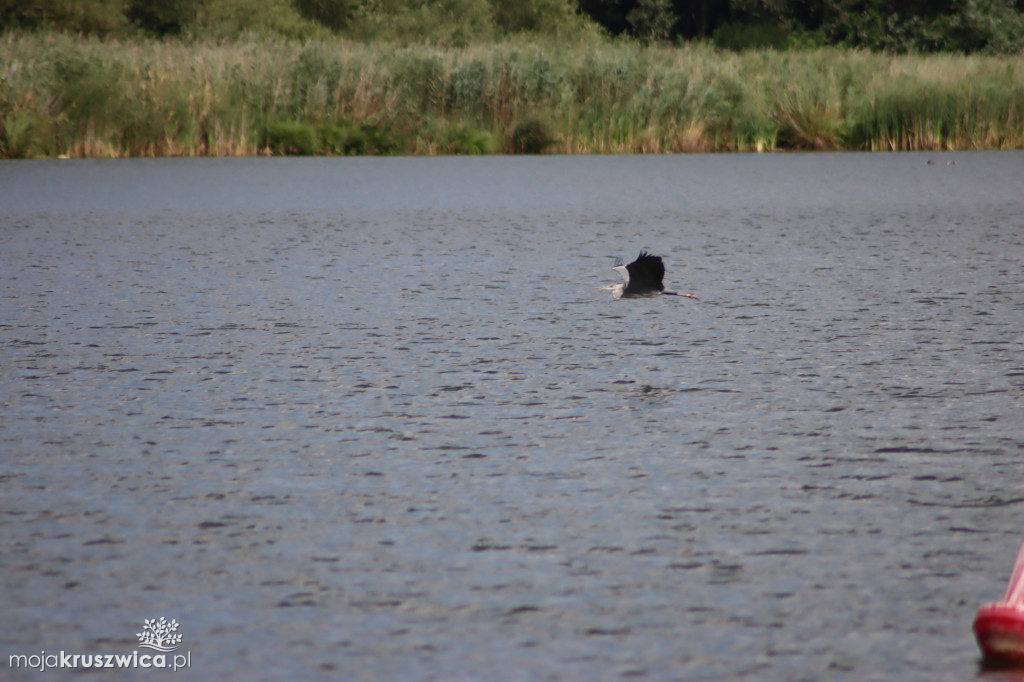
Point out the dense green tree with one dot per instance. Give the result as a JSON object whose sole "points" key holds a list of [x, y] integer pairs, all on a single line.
{"points": [[920, 26], [231, 18], [889, 25], [334, 14], [652, 19], [163, 17], [700, 18], [648, 19], [534, 16], [80, 16]]}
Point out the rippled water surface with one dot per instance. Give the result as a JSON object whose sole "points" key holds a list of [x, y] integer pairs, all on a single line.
{"points": [[368, 419]]}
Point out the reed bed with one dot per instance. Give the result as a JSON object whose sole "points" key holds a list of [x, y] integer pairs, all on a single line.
{"points": [[71, 96]]}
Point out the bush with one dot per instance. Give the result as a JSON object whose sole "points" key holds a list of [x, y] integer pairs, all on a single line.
{"points": [[341, 138], [25, 135], [469, 140], [531, 137], [350, 139], [293, 138]]}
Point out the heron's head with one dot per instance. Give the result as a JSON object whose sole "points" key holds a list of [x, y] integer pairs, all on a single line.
{"points": [[616, 289]]}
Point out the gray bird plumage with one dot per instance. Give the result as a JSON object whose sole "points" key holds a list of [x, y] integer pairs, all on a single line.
{"points": [[642, 278]]}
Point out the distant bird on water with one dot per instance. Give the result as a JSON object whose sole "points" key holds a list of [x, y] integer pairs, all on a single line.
{"points": [[642, 278]]}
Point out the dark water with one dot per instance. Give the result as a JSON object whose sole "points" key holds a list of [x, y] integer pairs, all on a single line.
{"points": [[368, 419]]}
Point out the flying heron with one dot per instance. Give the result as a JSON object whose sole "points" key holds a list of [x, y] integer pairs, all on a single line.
{"points": [[643, 278]]}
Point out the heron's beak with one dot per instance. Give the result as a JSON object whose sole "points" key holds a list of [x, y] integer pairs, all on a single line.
{"points": [[606, 287]]}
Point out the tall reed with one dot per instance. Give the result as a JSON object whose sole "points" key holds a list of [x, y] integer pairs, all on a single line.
{"points": [[63, 95]]}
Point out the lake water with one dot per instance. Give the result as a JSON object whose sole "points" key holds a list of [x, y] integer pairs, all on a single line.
{"points": [[368, 419]]}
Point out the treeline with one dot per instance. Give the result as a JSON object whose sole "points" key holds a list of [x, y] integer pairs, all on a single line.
{"points": [[897, 26], [452, 22]]}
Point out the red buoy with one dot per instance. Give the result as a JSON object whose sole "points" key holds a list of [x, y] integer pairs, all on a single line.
{"points": [[999, 627]]}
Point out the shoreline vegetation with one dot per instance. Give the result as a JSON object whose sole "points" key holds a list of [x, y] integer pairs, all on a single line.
{"points": [[65, 95]]}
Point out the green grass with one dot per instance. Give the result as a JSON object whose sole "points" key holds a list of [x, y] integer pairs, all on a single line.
{"points": [[65, 95]]}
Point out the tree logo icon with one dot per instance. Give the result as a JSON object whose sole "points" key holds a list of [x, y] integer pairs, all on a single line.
{"points": [[159, 634]]}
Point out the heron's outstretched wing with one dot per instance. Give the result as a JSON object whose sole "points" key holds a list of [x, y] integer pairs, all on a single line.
{"points": [[646, 272]]}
